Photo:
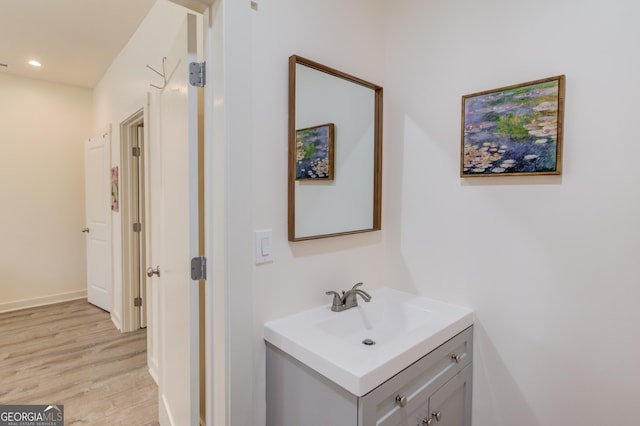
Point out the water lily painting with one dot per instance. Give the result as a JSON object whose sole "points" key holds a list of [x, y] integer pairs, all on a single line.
{"points": [[514, 130], [314, 152]]}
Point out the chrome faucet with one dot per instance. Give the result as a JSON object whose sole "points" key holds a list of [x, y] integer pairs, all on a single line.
{"points": [[348, 299]]}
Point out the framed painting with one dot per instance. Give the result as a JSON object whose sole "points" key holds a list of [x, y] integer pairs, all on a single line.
{"points": [[115, 200], [514, 130], [315, 153]]}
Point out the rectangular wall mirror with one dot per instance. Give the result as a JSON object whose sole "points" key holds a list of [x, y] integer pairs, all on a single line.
{"points": [[335, 152]]}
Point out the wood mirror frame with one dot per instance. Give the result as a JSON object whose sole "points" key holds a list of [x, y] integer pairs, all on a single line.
{"points": [[369, 144]]}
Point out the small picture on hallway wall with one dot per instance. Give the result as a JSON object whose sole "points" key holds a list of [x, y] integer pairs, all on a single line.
{"points": [[114, 189], [314, 152], [514, 130]]}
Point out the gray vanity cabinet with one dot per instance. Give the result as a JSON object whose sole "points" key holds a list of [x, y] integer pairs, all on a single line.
{"points": [[433, 391]]}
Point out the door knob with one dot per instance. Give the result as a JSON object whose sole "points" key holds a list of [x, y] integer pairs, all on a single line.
{"points": [[151, 272], [85, 230]]}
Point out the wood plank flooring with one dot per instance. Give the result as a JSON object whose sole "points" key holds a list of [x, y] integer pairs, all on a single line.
{"points": [[71, 353]]}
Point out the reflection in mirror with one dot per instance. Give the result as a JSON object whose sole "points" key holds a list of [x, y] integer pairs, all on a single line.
{"points": [[335, 152]]}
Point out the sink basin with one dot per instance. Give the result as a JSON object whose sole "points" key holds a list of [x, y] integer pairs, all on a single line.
{"points": [[382, 320], [362, 347]]}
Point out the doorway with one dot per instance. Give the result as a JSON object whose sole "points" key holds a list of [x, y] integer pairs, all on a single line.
{"points": [[132, 193]]}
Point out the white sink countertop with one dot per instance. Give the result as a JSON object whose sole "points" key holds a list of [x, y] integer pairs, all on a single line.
{"points": [[404, 327]]}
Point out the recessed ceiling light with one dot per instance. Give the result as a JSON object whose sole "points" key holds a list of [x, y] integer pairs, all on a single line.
{"points": [[35, 63]]}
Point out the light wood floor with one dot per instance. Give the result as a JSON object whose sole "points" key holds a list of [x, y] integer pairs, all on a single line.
{"points": [[71, 354]]}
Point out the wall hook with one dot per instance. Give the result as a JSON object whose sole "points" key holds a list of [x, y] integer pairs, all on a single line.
{"points": [[161, 74]]}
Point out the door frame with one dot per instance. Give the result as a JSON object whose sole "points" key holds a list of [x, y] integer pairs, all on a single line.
{"points": [[131, 245], [217, 315]]}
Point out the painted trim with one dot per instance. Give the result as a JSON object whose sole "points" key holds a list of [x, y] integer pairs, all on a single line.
{"points": [[41, 301], [199, 6], [128, 134], [116, 320], [217, 369], [154, 374]]}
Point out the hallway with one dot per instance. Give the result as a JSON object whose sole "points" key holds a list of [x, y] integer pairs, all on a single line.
{"points": [[71, 354]]}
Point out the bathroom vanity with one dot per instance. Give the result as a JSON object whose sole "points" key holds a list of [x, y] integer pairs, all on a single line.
{"points": [[321, 368]]}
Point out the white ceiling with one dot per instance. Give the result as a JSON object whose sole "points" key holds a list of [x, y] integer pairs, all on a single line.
{"points": [[74, 40]]}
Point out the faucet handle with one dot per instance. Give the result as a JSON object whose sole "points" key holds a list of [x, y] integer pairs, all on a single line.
{"points": [[356, 286], [337, 300], [336, 296]]}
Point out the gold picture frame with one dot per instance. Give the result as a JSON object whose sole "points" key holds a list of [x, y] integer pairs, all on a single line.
{"points": [[315, 152], [513, 131]]}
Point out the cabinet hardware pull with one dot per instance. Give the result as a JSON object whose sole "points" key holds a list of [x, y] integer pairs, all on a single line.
{"points": [[401, 400], [455, 358], [437, 415]]}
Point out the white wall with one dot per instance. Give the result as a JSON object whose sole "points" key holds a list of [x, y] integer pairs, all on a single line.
{"points": [[122, 91], [42, 251], [549, 264], [301, 272]]}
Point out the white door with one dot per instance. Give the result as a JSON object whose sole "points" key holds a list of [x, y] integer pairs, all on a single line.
{"points": [[178, 379], [98, 219]]}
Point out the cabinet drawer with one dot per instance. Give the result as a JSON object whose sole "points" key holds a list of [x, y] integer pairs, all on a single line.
{"points": [[415, 384]]}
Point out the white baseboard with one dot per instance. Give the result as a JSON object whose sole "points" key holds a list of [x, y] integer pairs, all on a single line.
{"points": [[41, 301], [115, 319], [154, 374], [164, 418]]}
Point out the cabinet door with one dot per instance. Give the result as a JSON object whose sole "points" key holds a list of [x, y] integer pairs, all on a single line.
{"points": [[451, 404], [414, 418], [416, 384], [419, 417]]}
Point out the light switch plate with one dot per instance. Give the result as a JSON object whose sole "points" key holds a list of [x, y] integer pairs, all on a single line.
{"points": [[263, 246]]}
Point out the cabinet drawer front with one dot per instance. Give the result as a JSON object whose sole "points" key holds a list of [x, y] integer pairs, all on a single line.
{"points": [[414, 385]]}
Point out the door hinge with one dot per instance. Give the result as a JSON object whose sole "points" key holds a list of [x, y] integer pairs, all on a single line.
{"points": [[135, 151], [199, 268], [137, 227], [196, 74], [137, 301]]}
